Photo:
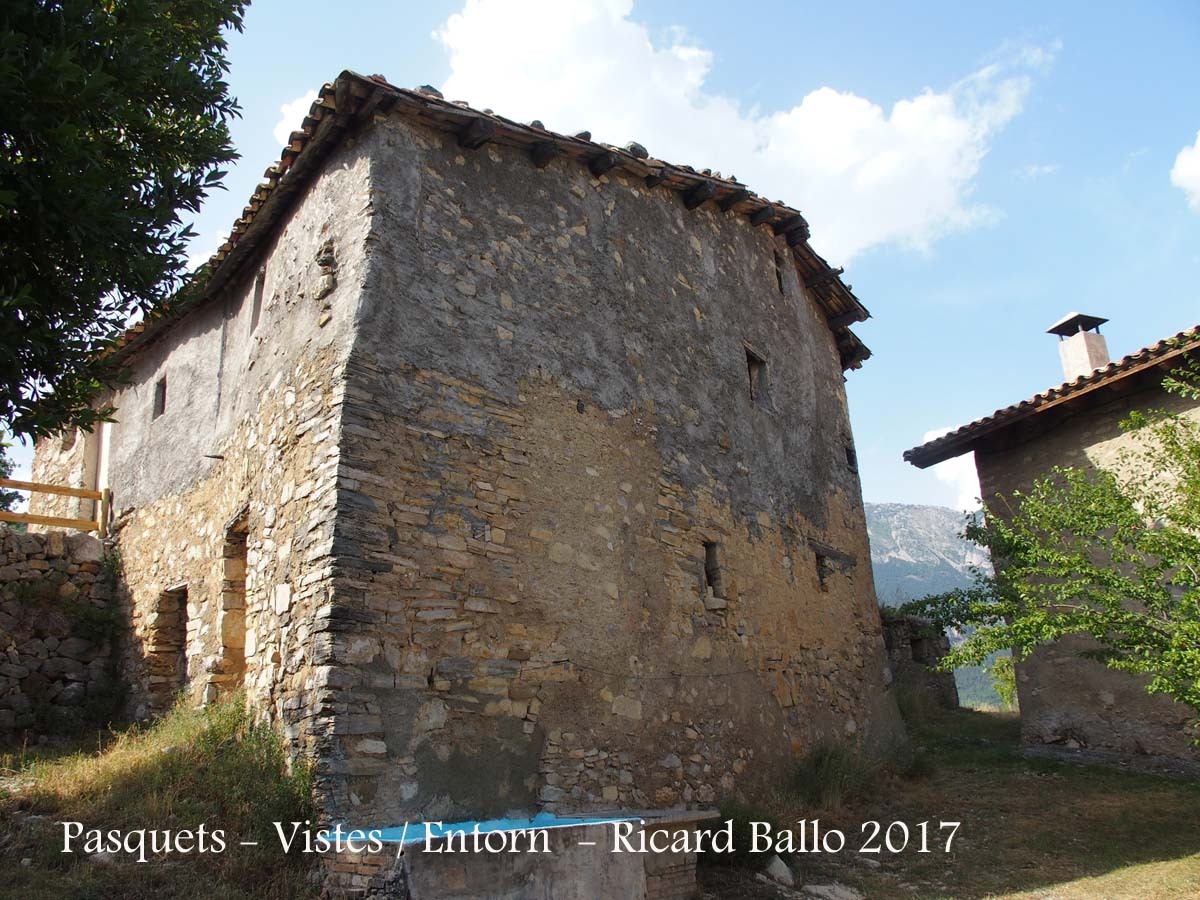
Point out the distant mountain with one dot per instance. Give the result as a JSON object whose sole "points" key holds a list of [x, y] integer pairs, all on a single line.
{"points": [[917, 550]]}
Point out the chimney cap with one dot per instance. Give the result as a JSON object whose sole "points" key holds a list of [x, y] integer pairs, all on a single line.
{"points": [[1073, 323]]}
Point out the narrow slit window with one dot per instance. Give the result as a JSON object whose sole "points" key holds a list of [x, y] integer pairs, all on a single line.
{"points": [[756, 370], [851, 458], [160, 397], [779, 270], [256, 307], [824, 570], [712, 568]]}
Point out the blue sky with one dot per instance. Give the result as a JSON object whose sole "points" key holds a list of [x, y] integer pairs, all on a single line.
{"points": [[980, 169]]}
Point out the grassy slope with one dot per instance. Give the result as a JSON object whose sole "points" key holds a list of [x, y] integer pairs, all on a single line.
{"points": [[212, 765], [1031, 829]]}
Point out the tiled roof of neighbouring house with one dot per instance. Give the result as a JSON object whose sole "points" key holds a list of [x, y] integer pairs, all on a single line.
{"points": [[354, 98], [962, 440]]}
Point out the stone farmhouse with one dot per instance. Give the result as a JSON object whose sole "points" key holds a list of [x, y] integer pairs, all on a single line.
{"points": [[1068, 701], [502, 469]]}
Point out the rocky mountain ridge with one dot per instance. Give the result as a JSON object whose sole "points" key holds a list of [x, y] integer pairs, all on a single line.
{"points": [[918, 550]]}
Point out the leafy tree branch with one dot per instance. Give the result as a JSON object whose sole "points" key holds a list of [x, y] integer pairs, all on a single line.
{"points": [[113, 126], [1112, 554]]}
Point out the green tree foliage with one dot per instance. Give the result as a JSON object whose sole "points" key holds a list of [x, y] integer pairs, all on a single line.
{"points": [[1092, 552], [1004, 681], [113, 125], [8, 499]]}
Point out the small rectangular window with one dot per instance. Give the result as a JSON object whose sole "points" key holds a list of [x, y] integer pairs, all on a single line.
{"points": [[851, 458], [160, 397], [779, 270], [756, 370], [712, 568], [256, 307]]}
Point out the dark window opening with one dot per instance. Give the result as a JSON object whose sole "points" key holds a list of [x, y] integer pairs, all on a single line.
{"points": [[256, 308], [851, 458], [779, 270], [756, 369], [160, 397], [712, 569], [824, 570]]}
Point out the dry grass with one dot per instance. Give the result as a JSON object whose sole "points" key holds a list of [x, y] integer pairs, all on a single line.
{"points": [[212, 766], [1030, 828]]}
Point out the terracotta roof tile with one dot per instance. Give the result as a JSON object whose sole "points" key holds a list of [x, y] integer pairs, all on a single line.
{"points": [[962, 440]]}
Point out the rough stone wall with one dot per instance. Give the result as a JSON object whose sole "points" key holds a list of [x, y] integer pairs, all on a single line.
{"points": [[56, 633], [224, 503], [548, 417], [1065, 699], [914, 649], [67, 459]]}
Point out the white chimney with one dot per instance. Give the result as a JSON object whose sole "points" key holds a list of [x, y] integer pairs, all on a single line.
{"points": [[1081, 346]]}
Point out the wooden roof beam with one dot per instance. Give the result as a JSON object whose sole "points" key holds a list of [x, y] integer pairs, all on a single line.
{"points": [[476, 133], [601, 163], [823, 277], [543, 152], [761, 215], [730, 200], [790, 224], [845, 320], [698, 193], [798, 235]]}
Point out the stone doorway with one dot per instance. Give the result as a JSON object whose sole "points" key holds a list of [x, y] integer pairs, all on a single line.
{"points": [[167, 647], [229, 672]]}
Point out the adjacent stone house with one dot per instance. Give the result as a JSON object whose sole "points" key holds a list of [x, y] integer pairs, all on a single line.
{"points": [[915, 649], [503, 469], [1065, 699]]}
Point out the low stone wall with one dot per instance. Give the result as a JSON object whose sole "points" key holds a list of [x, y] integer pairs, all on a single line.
{"points": [[914, 650], [58, 624]]}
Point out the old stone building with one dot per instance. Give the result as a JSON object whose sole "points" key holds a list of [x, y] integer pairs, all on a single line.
{"points": [[1067, 700], [915, 649], [503, 469]]}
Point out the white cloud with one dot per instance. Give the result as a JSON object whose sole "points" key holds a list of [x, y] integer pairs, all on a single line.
{"points": [[863, 175], [291, 116], [1039, 170], [201, 249], [959, 473], [1186, 173]]}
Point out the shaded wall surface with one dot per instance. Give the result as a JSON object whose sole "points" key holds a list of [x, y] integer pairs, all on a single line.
{"points": [[1064, 698]]}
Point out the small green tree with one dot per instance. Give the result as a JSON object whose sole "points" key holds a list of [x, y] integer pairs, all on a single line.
{"points": [[113, 123], [1111, 554]]}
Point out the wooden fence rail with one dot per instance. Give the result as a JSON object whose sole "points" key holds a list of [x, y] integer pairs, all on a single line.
{"points": [[99, 524]]}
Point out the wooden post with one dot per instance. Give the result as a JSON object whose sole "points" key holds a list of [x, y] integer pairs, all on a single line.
{"points": [[103, 509]]}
